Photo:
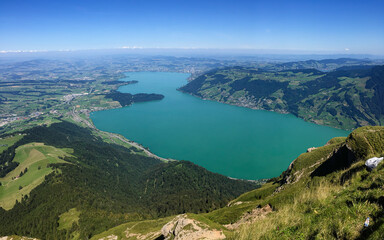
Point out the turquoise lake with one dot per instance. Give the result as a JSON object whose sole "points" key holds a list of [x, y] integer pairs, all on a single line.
{"points": [[233, 141]]}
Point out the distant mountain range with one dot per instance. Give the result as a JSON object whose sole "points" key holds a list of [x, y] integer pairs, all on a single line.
{"points": [[347, 97], [323, 65]]}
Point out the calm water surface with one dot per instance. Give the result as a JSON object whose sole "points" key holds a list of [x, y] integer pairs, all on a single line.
{"points": [[234, 141]]}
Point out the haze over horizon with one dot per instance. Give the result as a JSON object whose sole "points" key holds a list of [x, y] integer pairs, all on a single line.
{"points": [[341, 27]]}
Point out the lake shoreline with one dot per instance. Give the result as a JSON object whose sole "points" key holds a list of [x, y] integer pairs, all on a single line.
{"points": [[183, 126], [269, 110]]}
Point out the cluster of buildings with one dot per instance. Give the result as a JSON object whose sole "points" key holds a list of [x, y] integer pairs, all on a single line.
{"points": [[6, 119]]}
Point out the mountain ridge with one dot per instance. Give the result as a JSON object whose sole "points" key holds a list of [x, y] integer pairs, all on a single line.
{"points": [[344, 98]]}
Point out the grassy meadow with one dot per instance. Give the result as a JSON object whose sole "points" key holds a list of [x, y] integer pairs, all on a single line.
{"points": [[35, 158]]}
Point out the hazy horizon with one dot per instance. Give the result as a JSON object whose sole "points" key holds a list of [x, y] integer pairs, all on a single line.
{"points": [[244, 54], [293, 27]]}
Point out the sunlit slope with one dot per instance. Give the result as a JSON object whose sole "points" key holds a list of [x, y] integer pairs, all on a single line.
{"points": [[34, 164]]}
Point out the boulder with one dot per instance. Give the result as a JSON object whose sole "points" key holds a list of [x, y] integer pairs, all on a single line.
{"points": [[373, 162]]}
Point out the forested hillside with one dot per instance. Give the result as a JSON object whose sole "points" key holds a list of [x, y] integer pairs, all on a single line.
{"points": [[104, 184], [347, 98]]}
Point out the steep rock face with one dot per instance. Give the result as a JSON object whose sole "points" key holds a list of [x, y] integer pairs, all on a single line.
{"points": [[342, 158], [184, 228]]}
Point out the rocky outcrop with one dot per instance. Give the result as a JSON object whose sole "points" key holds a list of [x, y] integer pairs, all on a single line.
{"points": [[341, 158], [184, 228], [251, 217]]}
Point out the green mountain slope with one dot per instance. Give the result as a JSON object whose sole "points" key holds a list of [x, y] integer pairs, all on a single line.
{"points": [[102, 185], [34, 161], [326, 193], [347, 98]]}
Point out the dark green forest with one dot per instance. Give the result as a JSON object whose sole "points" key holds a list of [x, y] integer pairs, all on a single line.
{"points": [[126, 99]]}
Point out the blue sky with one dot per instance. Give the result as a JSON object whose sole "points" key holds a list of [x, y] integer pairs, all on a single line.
{"points": [[314, 26]]}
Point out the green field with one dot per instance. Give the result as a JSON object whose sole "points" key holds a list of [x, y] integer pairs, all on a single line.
{"points": [[9, 141], [35, 157]]}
